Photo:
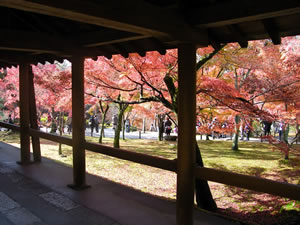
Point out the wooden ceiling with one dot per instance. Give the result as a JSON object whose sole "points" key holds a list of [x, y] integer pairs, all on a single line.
{"points": [[47, 30]]}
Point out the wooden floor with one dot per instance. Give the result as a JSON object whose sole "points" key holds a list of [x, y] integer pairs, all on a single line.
{"points": [[38, 193]]}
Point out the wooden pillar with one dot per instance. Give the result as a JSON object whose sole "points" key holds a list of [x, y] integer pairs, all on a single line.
{"points": [[78, 132], [36, 148], [24, 112], [186, 133]]}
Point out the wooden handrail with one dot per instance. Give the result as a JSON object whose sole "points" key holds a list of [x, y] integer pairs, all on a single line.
{"points": [[51, 137], [291, 191], [144, 159], [10, 126], [282, 189]]}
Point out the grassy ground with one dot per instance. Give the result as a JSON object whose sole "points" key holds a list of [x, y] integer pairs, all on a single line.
{"points": [[255, 159]]}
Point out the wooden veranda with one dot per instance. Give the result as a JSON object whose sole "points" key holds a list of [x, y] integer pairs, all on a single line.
{"points": [[36, 31]]}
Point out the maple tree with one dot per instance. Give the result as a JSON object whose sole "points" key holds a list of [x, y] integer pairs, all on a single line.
{"points": [[106, 82], [53, 93], [277, 77], [150, 78], [225, 81], [233, 84], [53, 83], [251, 82], [9, 86]]}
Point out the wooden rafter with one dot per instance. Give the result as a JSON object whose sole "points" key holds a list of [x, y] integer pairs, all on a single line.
{"points": [[241, 39], [131, 16], [34, 42], [235, 12], [156, 45], [272, 30], [105, 37]]}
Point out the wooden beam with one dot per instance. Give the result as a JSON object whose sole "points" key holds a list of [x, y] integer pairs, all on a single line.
{"points": [[78, 122], [213, 39], [120, 48], [249, 182], [24, 113], [272, 31], [241, 39], [49, 45], [144, 159], [51, 137], [10, 126], [16, 57], [157, 46], [186, 134], [137, 48], [34, 42], [4, 58], [121, 16], [106, 36], [7, 64], [36, 148], [235, 12]]}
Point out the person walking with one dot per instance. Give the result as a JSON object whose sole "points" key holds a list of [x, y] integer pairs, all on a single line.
{"points": [[10, 120], [92, 124], [69, 124], [96, 124], [127, 125], [115, 121], [280, 131], [168, 126], [267, 127], [247, 132]]}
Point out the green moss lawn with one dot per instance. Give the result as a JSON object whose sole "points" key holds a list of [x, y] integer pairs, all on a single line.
{"points": [[253, 158]]}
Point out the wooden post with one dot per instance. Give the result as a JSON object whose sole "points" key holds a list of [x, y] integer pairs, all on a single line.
{"points": [[78, 132], [24, 113], [186, 134], [34, 119]]}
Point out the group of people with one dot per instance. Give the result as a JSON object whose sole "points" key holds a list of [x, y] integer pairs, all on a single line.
{"points": [[115, 123], [266, 127], [165, 127], [278, 126]]}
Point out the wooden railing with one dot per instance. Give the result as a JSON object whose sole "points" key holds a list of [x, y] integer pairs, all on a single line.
{"points": [[144, 159], [282, 189], [51, 137], [10, 126]]}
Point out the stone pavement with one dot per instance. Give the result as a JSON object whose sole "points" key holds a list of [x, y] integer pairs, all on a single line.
{"points": [[37, 194], [24, 201]]}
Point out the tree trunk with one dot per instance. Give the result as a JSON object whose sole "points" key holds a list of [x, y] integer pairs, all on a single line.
{"points": [[235, 142], [204, 197], [286, 138], [123, 127], [104, 112], [286, 133], [297, 134], [61, 127], [117, 132], [160, 123], [144, 125], [122, 108], [102, 124]]}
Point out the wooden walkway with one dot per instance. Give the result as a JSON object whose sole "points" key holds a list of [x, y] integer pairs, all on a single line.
{"points": [[37, 194]]}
